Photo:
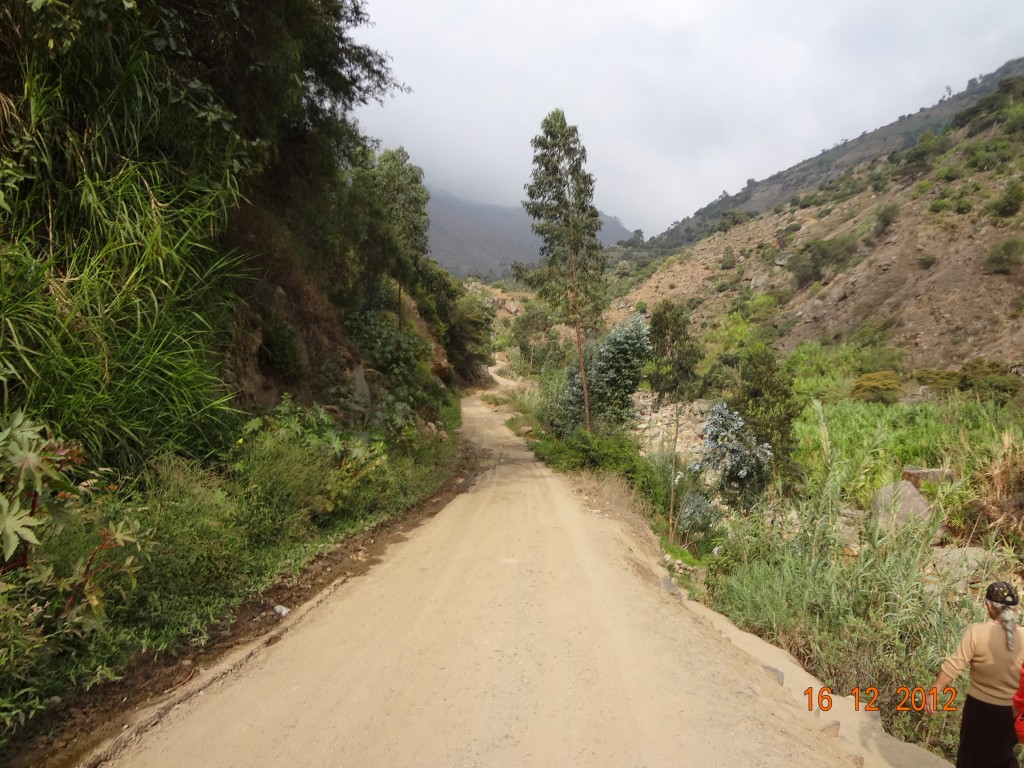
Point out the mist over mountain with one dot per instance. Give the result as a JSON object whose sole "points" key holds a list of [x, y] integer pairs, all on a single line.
{"points": [[481, 239]]}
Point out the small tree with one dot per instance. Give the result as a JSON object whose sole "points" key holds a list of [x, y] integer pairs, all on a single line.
{"points": [[672, 372], [767, 403], [731, 449], [560, 201]]}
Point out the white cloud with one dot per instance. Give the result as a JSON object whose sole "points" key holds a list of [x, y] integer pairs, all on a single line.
{"points": [[675, 101]]}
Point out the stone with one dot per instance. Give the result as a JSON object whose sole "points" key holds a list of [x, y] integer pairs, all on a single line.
{"points": [[778, 674], [917, 475], [831, 728], [897, 504]]}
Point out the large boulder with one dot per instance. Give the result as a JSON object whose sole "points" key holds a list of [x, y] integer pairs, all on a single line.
{"points": [[899, 503]]}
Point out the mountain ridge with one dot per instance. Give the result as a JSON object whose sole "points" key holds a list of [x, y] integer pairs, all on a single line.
{"points": [[485, 239]]}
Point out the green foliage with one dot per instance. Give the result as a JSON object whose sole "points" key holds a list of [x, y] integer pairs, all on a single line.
{"points": [[560, 201], [878, 387], [734, 454], [728, 259], [280, 350], [672, 371], [613, 451], [1004, 258], [730, 219], [64, 556], [614, 368], [766, 401], [884, 218], [464, 319], [1007, 204], [846, 618], [875, 439], [988, 154], [403, 358], [815, 257], [995, 107], [534, 334]]}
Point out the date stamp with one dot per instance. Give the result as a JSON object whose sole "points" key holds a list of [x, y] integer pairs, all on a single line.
{"points": [[909, 699]]}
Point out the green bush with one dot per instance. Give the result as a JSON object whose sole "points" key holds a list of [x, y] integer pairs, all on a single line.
{"points": [[198, 557], [728, 259], [878, 387], [614, 451], [816, 256], [1007, 204], [279, 352], [885, 217], [1004, 258]]}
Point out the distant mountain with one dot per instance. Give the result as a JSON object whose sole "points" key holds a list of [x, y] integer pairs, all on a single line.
{"points": [[761, 196], [479, 239]]}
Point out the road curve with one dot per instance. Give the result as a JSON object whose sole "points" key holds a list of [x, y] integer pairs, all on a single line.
{"points": [[518, 627]]}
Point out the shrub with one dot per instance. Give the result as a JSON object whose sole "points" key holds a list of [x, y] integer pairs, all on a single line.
{"points": [[885, 217], [67, 549], [927, 261], [835, 611], [698, 520], [279, 352], [614, 369], [767, 403], [1006, 257], [610, 451], [1010, 201], [728, 258], [732, 450], [816, 256], [879, 387]]}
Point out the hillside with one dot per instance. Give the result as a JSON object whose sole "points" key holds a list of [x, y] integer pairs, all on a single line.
{"points": [[476, 238], [897, 250], [779, 188]]}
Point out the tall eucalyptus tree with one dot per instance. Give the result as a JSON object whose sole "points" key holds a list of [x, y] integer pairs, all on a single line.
{"points": [[560, 201]]}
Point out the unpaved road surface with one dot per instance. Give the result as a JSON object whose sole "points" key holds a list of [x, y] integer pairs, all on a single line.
{"points": [[518, 627]]}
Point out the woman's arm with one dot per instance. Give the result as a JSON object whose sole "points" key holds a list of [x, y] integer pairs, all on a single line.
{"points": [[940, 684]]}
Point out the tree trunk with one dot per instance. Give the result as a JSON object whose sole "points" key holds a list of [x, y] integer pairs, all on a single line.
{"points": [[672, 480], [399, 305], [579, 341]]}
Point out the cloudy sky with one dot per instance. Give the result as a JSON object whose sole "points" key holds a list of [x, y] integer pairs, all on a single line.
{"points": [[675, 100]]}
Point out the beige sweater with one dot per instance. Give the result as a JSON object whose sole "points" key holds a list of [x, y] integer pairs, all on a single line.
{"points": [[995, 671]]}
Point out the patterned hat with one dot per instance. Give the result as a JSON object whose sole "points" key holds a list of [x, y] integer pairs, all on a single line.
{"points": [[1002, 593]]}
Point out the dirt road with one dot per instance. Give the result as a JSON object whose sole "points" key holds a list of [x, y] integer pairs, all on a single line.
{"points": [[518, 627]]}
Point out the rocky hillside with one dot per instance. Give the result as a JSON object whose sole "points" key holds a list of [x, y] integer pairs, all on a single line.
{"points": [[921, 249], [760, 196]]}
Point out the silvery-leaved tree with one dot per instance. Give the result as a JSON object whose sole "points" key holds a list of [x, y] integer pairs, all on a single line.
{"points": [[560, 197]]}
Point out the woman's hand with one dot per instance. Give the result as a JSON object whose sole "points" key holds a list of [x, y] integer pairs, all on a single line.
{"points": [[940, 684]]}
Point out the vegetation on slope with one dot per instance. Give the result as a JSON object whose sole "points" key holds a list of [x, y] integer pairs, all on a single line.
{"points": [[185, 200]]}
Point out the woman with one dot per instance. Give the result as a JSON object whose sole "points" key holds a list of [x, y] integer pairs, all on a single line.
{"points": [[995, 651]]}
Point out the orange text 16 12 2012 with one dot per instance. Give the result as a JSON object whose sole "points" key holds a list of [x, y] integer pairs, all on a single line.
{"points": [[867, 699]]}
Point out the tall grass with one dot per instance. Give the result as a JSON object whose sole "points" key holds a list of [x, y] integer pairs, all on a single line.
{"points": [[870, 619], [960, 433], [109, 308]]}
